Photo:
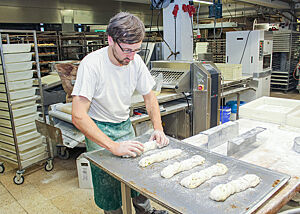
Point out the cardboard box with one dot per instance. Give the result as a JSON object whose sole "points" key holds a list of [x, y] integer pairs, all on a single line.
{"points": [[230, 71], [84, 173]]}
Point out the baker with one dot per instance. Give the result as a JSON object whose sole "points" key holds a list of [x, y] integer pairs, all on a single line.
{"points": [[105, 82]]}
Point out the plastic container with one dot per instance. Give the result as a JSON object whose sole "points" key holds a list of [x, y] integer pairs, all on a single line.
{"points": [[19, 94], [233, 105], [4, 105], [19, 112], [20, 66], [16, 48], [20, 138], [225, 112], [17, 85], [18, 57], [21, 75]]}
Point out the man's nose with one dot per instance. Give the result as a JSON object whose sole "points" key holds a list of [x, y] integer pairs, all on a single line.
{"points": [[131, 55]]}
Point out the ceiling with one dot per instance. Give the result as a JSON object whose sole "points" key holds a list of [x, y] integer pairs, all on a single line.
{"points": [[136, 1]]}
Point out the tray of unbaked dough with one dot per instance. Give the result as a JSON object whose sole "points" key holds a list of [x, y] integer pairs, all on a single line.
{"points": [[179, 199]]}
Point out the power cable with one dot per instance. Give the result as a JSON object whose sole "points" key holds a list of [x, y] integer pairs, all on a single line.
{"points": [[245, 47], [228, 10], [192, 33], [172, 53], [187, 101], [148, 36]]}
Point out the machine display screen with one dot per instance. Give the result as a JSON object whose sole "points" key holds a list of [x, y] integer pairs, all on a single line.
{"points": [[266, 62], [209, 68]]}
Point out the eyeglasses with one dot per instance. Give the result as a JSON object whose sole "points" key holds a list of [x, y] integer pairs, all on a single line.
{"points": [[128, 51]]}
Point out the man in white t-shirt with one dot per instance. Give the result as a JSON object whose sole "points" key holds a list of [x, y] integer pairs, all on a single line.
{"points": [[106, 80]]}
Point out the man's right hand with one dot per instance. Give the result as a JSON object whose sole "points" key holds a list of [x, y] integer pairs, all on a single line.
{"points": [[128, 148]]}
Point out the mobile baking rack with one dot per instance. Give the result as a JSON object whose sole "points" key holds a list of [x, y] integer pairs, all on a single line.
{"points": [[20, 141]]}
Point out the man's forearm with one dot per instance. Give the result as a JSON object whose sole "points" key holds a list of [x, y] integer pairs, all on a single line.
{"points": [[88, 127], [153, 111]]}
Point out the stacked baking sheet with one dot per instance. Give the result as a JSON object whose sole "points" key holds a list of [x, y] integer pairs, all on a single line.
{"points": [[18, 133]]}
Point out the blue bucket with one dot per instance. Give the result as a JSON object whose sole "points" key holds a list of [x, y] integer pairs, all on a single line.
{"points": [[225, 114], [233, 105]]}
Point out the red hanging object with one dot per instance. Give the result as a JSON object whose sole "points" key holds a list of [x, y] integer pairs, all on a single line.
{"points": [[175, 10]]}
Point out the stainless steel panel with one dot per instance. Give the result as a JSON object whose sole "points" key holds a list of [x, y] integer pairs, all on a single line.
{"points": [[85, 12], [178, 199], [29, 15], [177, 125], [184, 126], [201, 112], [176, 75]]}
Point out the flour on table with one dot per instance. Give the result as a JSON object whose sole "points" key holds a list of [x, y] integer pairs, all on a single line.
{"points": [[184, 165]]}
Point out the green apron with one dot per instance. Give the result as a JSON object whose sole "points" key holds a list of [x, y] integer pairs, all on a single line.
{"points": [[107, 189]]}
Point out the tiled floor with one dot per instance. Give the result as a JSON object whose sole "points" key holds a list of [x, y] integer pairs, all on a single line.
{"points": [[42, 192], [57, 191], [293, 94]]}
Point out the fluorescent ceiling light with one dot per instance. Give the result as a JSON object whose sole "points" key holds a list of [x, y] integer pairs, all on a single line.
{"points": [[202, 2]]}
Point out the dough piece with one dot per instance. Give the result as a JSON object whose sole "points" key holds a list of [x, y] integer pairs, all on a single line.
{"points": [[150, 145], [197, 178], [223, 191], [177, 167], [158, 157]]}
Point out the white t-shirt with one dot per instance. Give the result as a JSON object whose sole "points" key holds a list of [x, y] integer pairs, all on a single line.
{"points": [[110, 87]]}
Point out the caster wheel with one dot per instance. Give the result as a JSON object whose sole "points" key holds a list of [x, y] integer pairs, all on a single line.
{"points": [[49, 166], [19, 179], [63, 154], [2, 168]]}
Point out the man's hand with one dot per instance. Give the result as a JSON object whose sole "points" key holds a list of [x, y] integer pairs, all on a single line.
{"points": [[160, 138], [128, 148]]}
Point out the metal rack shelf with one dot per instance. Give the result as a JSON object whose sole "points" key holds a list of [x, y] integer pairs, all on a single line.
{"points": [[286, 54], [20, 141]]}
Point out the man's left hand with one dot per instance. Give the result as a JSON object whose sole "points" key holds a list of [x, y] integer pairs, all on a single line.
{"points": [[160, 138]]}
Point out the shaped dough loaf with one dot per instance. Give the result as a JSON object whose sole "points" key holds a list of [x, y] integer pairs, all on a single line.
{"points": [[223, 191], [197, 178], [177, 167], [150, 145], [158, 157]]}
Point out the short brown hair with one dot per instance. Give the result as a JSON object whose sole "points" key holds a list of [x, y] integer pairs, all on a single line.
{"points": [[126, 28]]}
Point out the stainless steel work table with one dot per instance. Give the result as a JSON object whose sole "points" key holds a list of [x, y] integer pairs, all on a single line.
{"points": [[170, 194]]}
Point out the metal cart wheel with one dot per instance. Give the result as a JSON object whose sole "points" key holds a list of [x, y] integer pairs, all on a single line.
{"points": [[19, 179], [63, 153], [2, 168], [49, 165]]}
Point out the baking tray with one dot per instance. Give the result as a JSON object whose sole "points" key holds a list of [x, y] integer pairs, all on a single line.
{"points": [[169, 193]]}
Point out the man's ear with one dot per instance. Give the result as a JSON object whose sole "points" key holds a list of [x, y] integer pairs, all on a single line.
{"points": [[110, 40]]}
